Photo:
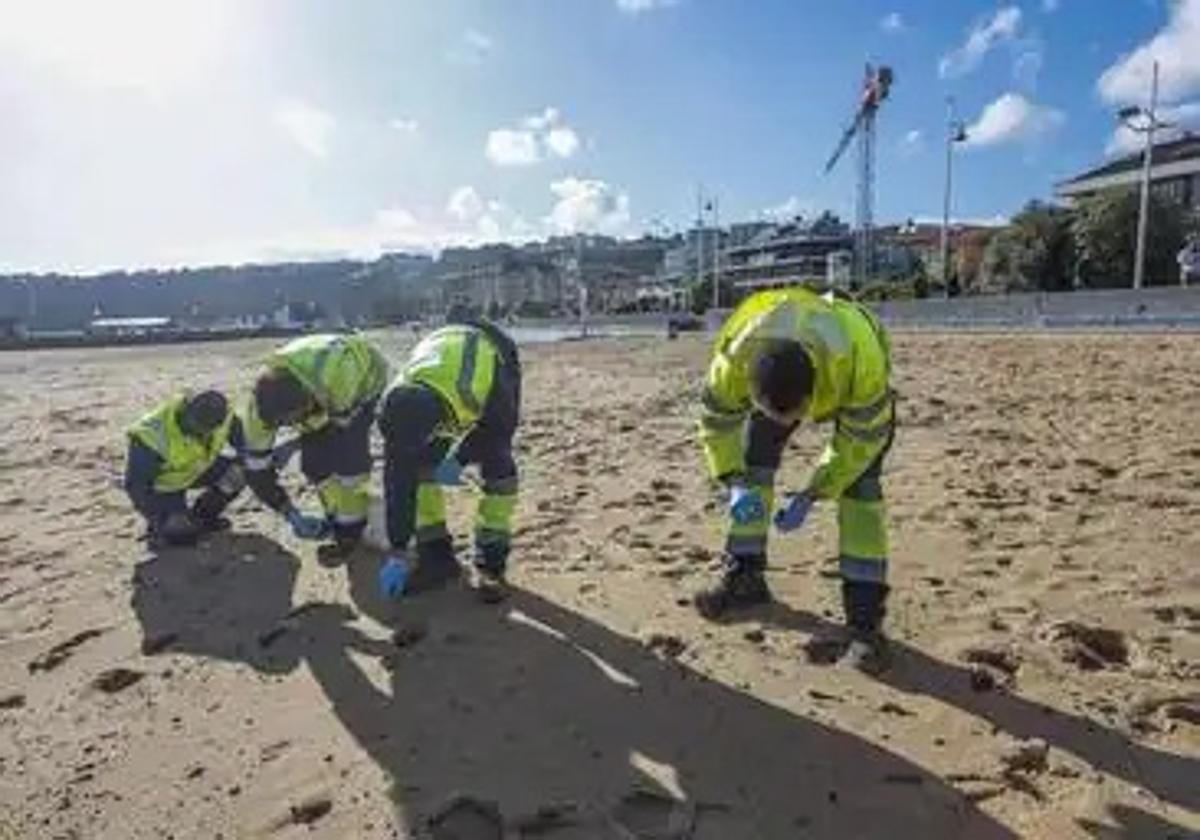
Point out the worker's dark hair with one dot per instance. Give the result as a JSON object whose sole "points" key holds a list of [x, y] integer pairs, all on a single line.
{"points": [[279, 397], [203, 412], [782, 375]]}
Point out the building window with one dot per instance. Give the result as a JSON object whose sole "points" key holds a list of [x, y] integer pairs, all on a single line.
{"points": [[1171, 190]]}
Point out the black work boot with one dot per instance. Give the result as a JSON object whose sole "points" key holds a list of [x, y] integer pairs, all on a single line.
{"points": [[346, 540], [487, 578], [742, 586], [436, 567], [207, 511], [865, 605], [178, 530]]}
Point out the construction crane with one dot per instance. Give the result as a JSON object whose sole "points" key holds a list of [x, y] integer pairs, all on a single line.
{"points": [[877, 84]]}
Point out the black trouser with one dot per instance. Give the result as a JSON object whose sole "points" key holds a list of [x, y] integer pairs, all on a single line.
{"points": [[416, 505], [766, 441], [220, 483], [337, 460], [490, 445], [860, 511]]}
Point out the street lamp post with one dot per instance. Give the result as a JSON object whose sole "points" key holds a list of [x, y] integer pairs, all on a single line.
{"points": [[1150, 123], [580, 279], [1139, 269], [699, 243], [956, 132], [716, 289]]}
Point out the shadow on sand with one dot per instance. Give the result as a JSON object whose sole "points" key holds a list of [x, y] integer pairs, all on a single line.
{"points": [[1136, 824], [555, 727], [219, 601], [558, 728], [1169, 776]]}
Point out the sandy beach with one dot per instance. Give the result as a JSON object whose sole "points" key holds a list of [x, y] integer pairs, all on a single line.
{"points": [[1044, 493]]}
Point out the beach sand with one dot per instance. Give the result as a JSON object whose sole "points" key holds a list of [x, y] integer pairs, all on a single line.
{"points": [[1044, 495]]}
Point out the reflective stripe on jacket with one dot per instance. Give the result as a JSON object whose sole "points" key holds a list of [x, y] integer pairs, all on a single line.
{"points": [[342, 372], [851, 357], [184, 457], [459, 363]]}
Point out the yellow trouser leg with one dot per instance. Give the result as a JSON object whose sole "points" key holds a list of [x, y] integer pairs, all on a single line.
{"points": [[431, 513], [863, 539], [749, 539], [345, 499], [493, 523]]}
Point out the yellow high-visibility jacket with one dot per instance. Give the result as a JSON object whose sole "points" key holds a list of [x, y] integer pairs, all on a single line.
{"points": [[184, 457], [342, 372], [459, 364], [851, 357]]}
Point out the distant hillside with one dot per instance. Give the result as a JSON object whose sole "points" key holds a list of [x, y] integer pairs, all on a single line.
{"points": [[346, 290]]}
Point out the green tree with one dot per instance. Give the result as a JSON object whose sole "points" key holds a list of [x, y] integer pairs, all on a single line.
{"points": [[1106, 232], [1191, 225], [701, 294], [395, 309], [1036, 252], [968, 257]]}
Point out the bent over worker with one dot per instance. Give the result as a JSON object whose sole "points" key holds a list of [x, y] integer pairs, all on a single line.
{"points": [[782, 357], [456, 402], [326, 388], [188, 442]]}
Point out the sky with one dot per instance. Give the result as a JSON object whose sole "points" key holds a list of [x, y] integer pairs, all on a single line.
{"points": [[142, 133]]}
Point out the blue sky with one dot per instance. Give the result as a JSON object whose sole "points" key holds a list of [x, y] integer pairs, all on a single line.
{"points": [[140, 132]]}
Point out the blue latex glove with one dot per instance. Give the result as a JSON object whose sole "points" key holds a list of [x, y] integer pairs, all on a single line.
{"points": [[393, 576], [449, 472], [791, 516], [307, 527], [745, 505]]}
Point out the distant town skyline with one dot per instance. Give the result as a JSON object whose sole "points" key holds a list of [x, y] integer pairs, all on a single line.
{"points": [[197, 132]]}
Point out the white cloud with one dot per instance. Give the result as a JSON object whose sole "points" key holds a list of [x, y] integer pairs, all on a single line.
{"points": [[465, 204], [388, 229], [562, 142], [490, 229], [538, 137], [490, 220], [478, 40], [893, 23], [789, 209], [145, 45], [499, 222], [588, 205], [985, 35], [543, 121], [912, 143], [472, 47], [405, 125], [634, 7], [308, 126], [1050, 5], [1176, 48], [1028, 67], [509, 147], [1013, 119], [395, 218], [394, 229], [1184, 117]]}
